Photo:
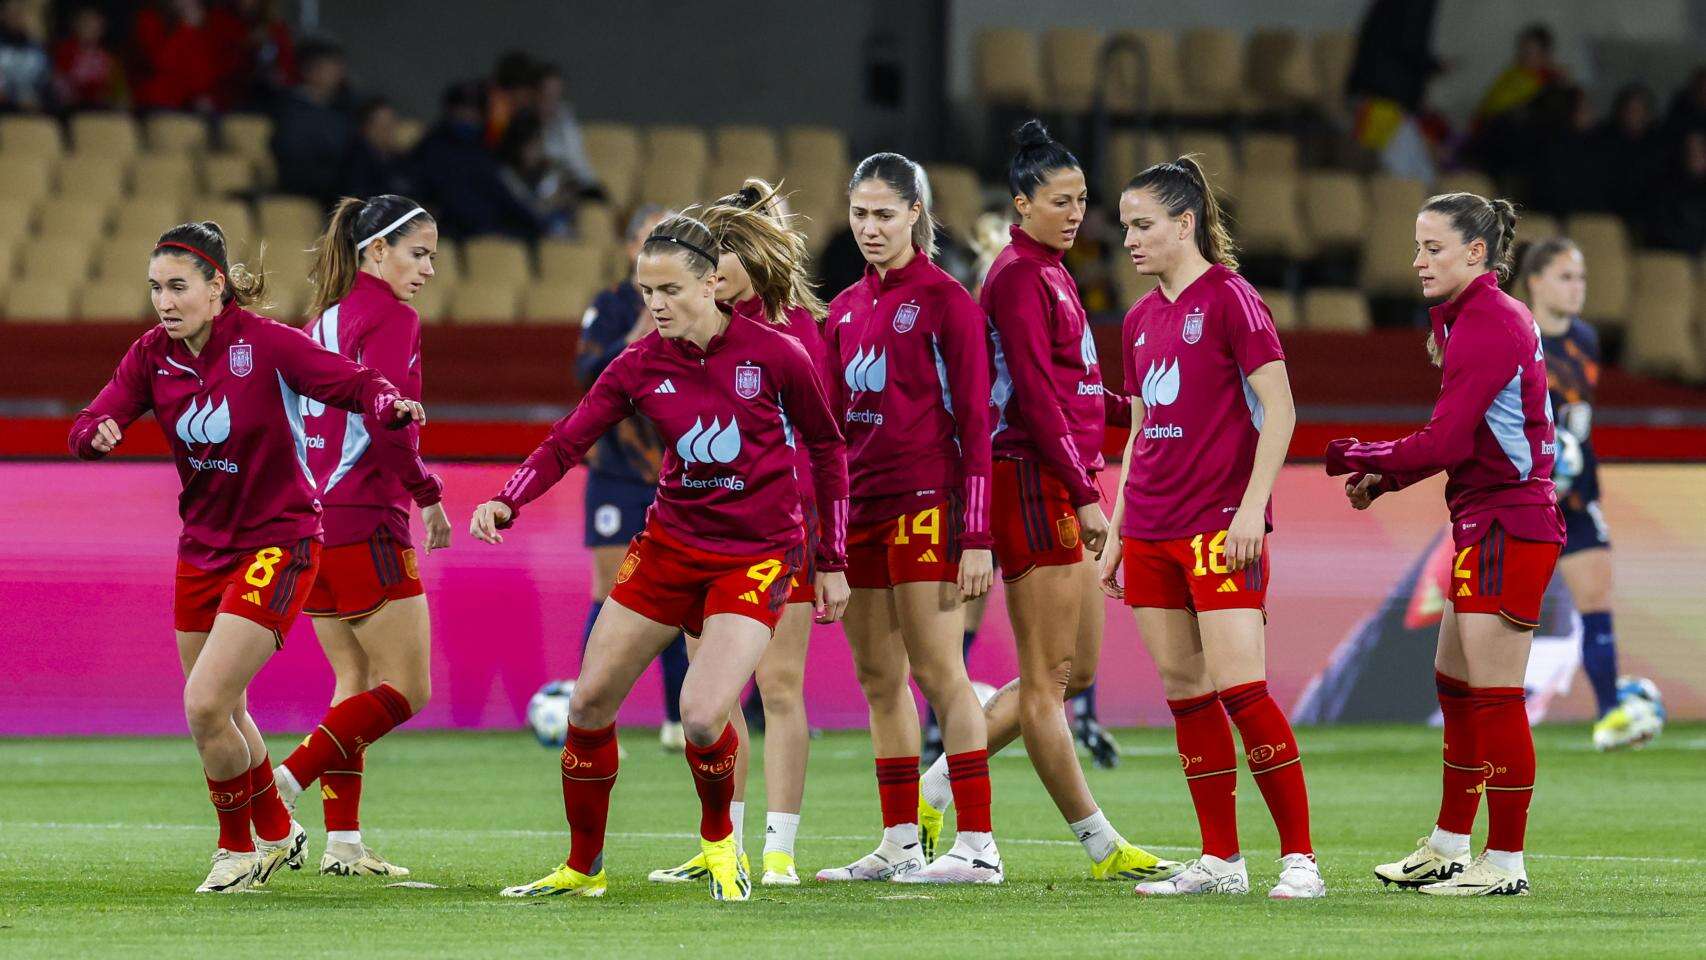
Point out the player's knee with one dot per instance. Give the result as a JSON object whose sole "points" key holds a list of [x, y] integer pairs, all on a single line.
{"points": [[589, 710], [781, 692], [416, 690], [205, 709], [882, 686], [1183, 681], [940, 685], [1083, 678], [702, 723]]}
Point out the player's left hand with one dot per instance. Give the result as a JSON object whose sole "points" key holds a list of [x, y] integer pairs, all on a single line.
{"points": [[832, 595], [408, 410], [977, 572], [1092, 528], [1361, 489], [489, 518], [437, 527], [1244, 538]]}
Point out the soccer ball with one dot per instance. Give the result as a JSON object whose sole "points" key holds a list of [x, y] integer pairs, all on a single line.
{"points": [[983, 690], [1641, 702], [548, 712], [1569, 462]]}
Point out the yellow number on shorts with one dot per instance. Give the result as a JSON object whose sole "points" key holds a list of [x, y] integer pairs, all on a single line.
{"points": [[765, 573], [260, 572], [1216, 559], [926, 524], [1457, 569]]}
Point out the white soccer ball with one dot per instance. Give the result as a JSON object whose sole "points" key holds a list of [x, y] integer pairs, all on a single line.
{"points": [[983, 690], [1644, 708], [548, 712], [1568, 464]]}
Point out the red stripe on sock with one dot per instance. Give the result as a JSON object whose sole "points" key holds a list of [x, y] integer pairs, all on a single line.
{"points": [[1210, 761], [589, 761], [897, 789], [266, 810], [231, 804], [714, 778], [1270, 750], [1507, 748], [1462, 774], [968, 776]]}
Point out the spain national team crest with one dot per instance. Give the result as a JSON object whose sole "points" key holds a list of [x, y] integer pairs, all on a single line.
{"points": [[1193, 326], [1067, 528], [242, 359], [748, 380], [906, 317], [626, 570]]}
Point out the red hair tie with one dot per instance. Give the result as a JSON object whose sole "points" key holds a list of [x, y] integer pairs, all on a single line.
{"points": [[184, 246]]}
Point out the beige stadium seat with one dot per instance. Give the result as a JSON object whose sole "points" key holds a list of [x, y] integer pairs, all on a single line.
{"points": [[35, 302], [1339, 311], [1219, 161], [496, 260], [112, 134], [1129, 154], [1069, 67], [447, 266], [1531, 227], [146, 215], [563, 261], [27, 136], [72, 216], [288, 294], [1335, 209], [614, 151], [595, 223], [62, 260], [751, 148], [1270, 153], [1147, 82], [1268, 217], [559, 302], [1388, 249], [123, 257], [17, 221], [815, 147], [1007, 71], [617, 266], [115, 299], [1466, 181], [8, 257], [1332, 53], [286, 261], [24, 179], [92, 176], [233, 216], [484, 302], [1604, 243], [1661, 338], [955, 196], [249, 134], [164, 174], [1282, 305], [294, 218], [1392, 196], [176, 133], [409, 132], [430, 301], [672, 180], [228, 173], [681, 144], [1131, 285], [1212, 59], [1279, 70]]}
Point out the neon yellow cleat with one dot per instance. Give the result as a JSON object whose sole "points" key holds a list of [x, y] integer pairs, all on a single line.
{"points": [[562, 882], [1129, 862], [726, 867], [929, 827], [692, 871], [779, 870]]}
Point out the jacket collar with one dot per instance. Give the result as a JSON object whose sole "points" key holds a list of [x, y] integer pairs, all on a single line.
{"points": [[1441, 317], [918, 267], [1030, 246], [221, 335], [368, 283], [687, 348]]}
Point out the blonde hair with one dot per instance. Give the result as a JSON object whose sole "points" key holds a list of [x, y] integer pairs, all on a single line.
{"points": [[751, 225]]}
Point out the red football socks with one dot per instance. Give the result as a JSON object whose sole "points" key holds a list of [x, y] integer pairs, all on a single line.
{"points": [[589, 773], [897, 788], [266, 810], [1507, 748], [1211, 770], [1270, 749], [968, 775], [1460, 787], [347, 729], [340, 794], [231, 801], [714, 778]]}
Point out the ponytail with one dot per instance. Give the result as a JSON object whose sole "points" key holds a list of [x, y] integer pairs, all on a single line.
{"points": [[1179, 186], [1474, 217], [203, 244], [910, 183], [752, 225], [356, 225]]}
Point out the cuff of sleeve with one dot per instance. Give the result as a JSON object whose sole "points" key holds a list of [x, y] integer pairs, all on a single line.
{"points": [[1336, 455], [431, 492], [1086, 496], [514, 511], [977, 541], [831, 564]]}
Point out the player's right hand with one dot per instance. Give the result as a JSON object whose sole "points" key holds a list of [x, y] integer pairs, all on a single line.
{"points": [[1092, 527], [1108, 569], [107, 436], [1361, 489], [488, 517], [437, 527]]}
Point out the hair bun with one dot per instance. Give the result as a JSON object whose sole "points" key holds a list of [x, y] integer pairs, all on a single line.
{"points": [[1032, 133]]}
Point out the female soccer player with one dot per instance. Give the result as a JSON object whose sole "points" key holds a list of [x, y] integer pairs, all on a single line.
{"points": [[1048, 449], [1491, 433], [720, 548], [913, 395], [762, 278], [369, 609], [1553, 279], [1212, 417], [225, 385]]}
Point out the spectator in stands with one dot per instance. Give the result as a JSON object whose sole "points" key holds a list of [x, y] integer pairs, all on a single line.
{"points": [[564, 146], [1549, 152], [376, 159], [1678, 220], [1688, 108], [530, 176], [514, 89], [259, 39], [181, 61], [86, 73], [1631, 156], [452, 170], [1533, 70], [1388, 83], [25, 74], [314, 132]]}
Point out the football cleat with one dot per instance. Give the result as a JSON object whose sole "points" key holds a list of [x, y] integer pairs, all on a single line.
{"points": [[929, 827], [562, 882], [726, 867], [356, 860], [1299, 879], [890, 861], [692, 871], [1104, 750], [232, 871], [962, 864], [1426, 865], [1482, 879], [671, 737], [1129, 862], [1206, 874], [779, 870], [281, 853], [1632, 723]]}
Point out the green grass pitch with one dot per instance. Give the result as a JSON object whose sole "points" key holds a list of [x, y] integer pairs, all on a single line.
{"points": [[101, 842]]}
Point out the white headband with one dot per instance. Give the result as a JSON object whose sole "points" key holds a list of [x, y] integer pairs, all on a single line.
{"points": [[405, 218]]}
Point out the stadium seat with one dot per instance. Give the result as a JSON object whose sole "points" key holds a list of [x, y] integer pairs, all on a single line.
{"points": [[1215, 154], [753, 149], [484, 301], [809, 145], [671, 179], [1008, 72], [558, 303], [1282, 305], [1130, 153], [1335, 209], [287, 294], [678, 143], [447, 267], [31, 136], [1466, 181], [249, 134], [1337, 310], [38, 302], [8, 257], [431, 300], [1604, 242], [1270, 153], [1388, 248], [1131, 285], [1212, 60], [595, 223], [571, 262], [164, 174], [1069, 68], [1268, 217], [233, 216], [24, 179], [91, 176], [286, 261], [1395, 195], [114, 300], [16, 223], [1661, 338], [1332, 53], [228, 173], [148, 215], [614, 150], [1148, 81], [1536, 226], [176, 133], [296, 219], [1279, 70], [72, 216], [122, 256], [59, 261], [496, 260], [955, 196], [110, 134]]}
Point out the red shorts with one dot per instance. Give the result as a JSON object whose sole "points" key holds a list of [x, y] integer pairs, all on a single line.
{"points": [[1035, 524], [668, 581], [267, 586], [805, 578], [1504, 575], [920, 546], [1191, 574], [356, 579]]}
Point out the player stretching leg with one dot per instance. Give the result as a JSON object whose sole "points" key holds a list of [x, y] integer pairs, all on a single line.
{"points": [[369, 609], [1492, 434], [720, 547], [1048, 448], [762, 278], [912, 391], [225, 385], [1212, 419]]}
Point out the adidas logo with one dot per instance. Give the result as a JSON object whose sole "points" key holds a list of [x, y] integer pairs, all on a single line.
{"points": [[253, 596], [665, 387], [1140, 339], [751, 596], [928, 556], [326, 793], [1226, 586], [1463, 590]]}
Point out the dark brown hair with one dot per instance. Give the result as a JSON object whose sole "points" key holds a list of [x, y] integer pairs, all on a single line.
{"points": [[1179, 186], [202, 243], [751, 225], [688, 237], [907, 180], [336, 259], [1474, 217], [1535, 259]]}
